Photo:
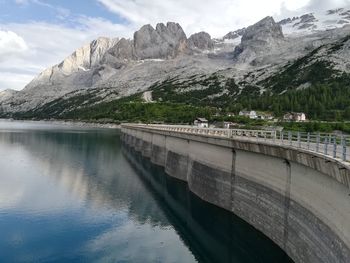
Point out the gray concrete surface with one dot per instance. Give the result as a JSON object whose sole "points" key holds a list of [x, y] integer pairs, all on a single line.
{"points": [[300, 200]]}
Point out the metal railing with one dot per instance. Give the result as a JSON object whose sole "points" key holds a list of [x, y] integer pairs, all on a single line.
{"points": [[332, 145]]}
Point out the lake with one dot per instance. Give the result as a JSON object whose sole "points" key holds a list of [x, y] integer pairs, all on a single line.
{"points": [[70, 194]]}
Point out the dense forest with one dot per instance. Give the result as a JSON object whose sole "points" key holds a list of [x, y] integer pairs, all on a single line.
{"points": [[329, 101]]}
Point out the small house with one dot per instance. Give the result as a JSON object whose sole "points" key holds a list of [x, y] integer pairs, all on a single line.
{"points": [[250, 114], [300, 117], [295, 116], [201, 123]]}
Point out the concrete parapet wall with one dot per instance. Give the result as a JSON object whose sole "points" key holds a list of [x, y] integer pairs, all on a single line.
{"points": [[299, 200], [158, 154]]}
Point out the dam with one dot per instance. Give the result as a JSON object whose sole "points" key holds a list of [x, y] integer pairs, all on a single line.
{"points": [[294, 191]]}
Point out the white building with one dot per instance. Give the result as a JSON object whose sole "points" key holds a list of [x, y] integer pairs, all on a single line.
{"points": [[250, 114], [295, 116], [300, 117], [201, 123]]}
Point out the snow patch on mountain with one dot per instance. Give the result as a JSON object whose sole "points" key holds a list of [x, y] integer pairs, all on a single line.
{"points": [[316, 22]]}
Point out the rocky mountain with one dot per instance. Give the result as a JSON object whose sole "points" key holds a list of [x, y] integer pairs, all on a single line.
{"points": [[7, 94], [113, 67], [316, 22], [164, 42], [234, 34], [164, 62], [201, 41], [64, 77], [83, 59], [258, 39]]}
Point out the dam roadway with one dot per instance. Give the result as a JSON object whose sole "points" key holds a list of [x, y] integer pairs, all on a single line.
{"points": [[294, 188]]}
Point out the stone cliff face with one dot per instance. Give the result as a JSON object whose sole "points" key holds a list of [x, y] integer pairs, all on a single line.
{"points": [[6, 94], [161, 43], [264, 31], [87, 56], [164, 42], [201, 40], [120, 54], [98, 49], [83, 59], [258, 39]]}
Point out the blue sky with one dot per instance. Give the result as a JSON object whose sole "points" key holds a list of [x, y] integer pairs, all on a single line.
{"points": [[36, 34], [54, 11]]}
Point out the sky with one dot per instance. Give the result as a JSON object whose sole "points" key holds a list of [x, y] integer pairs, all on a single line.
{"points": [[36, 34]]}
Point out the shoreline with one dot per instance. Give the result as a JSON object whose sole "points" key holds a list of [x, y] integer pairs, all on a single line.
{"points": [[79, 124]]}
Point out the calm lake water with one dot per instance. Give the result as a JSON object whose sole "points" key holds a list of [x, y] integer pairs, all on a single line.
{"points": [[77, 195]]}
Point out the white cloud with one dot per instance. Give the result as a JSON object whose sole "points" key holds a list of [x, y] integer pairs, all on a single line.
{"points": [[317, 5], [11, 45], [216, 17]]}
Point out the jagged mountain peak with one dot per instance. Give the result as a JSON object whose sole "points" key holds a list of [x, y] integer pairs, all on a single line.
{"points": [[267, 21], [263, 30], [234, 34], [103, 42], [122, 50], [201, 40], [170, 26], [258, 39], [86, 57], [82, 59], [166, 41]]}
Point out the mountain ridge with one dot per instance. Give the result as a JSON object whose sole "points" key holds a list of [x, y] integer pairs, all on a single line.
{"points": [[109, 69]]}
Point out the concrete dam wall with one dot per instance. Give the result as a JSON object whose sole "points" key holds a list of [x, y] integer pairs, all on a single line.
{"points": [[300, 200]]}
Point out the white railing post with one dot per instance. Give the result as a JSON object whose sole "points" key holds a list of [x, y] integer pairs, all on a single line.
{"points": [[290, 138], [343, 139], [326, 145], [229, 133]]}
